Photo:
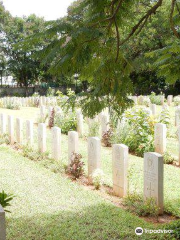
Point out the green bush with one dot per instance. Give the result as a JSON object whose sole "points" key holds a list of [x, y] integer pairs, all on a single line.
{"points": [[168, 159], [155, 99], [67, 122], [137, 132], [94, 129], [165, 117], [13, 105]]}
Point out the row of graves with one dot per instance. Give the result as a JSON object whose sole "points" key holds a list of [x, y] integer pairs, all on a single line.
{"points": [[153, 161]]}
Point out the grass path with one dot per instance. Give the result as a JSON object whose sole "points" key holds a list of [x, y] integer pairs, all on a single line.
{"points": [[49, 206]]}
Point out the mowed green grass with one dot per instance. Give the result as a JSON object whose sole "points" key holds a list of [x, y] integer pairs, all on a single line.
{"points": [[171, 191], [49, 206]]}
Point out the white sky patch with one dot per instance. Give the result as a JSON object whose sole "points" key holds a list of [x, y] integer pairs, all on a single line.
{"points": [[49, 9]]}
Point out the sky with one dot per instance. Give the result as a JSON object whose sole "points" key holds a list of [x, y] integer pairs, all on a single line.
{"points": [[49, 9]]}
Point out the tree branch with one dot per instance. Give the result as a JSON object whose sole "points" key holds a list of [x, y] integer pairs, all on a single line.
{"points": [[171, 19], [142, 21]]}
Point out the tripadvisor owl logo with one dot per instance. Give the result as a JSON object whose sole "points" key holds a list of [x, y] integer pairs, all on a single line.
{"points": [[139, 231]]}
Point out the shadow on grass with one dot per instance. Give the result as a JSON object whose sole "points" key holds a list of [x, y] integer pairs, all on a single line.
{"points": [[101, 222]]}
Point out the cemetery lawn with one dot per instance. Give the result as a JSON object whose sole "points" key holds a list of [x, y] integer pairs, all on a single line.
{"points": [[49, 206]]}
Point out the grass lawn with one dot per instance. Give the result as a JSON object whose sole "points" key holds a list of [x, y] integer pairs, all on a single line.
{"points": [[48, 206]]}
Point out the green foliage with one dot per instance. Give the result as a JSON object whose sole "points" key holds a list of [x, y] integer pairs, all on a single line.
{"points": [[94, 128], [5, 200], [13, 105], [98, 178], [155, 99], [137, 205], [165, 117], [33, 155], [168, 158], [76, 168], [67, 122], [50, 92], [137, 132], [4, 139]]}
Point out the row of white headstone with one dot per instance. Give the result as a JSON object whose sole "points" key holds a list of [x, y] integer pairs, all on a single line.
{"points": [[120, 154], [29, 101], [140, 99]]}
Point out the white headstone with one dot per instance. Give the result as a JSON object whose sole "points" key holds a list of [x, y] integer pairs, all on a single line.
{"points": [[73, 144], [104, 123], [19, 130], [162, 100], [29, 132], [177, 116], [11, 129], [153, 109], [160, 138], [120, 169], [170, 99], [178, 133], [94, 156], [2, 224], [153, 178], [42, 137], [42, 111], [80, 124], [3, 124], [56, 143]]}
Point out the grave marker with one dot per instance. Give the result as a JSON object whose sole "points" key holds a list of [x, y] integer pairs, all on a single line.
{"points": [[94, 156], [42, 137], [120, 169], [153, 178], [56, 143], [160, 138], [73, 144]]}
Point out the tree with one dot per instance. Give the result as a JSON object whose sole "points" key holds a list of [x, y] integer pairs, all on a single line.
{"points": [[25, 68], [99, 40]]}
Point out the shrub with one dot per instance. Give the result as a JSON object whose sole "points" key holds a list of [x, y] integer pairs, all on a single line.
{"points": [[144, 100], [155, 99], [5, 200], [76, 168], [107, 138], [168, 159], [36, 94], [98, 178], [4, 139], [51, 119], [50, 92], [137, 132], [165, 117], [13, 105], [67, 122], [135, 203], [177, 101], [94, 129]]}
